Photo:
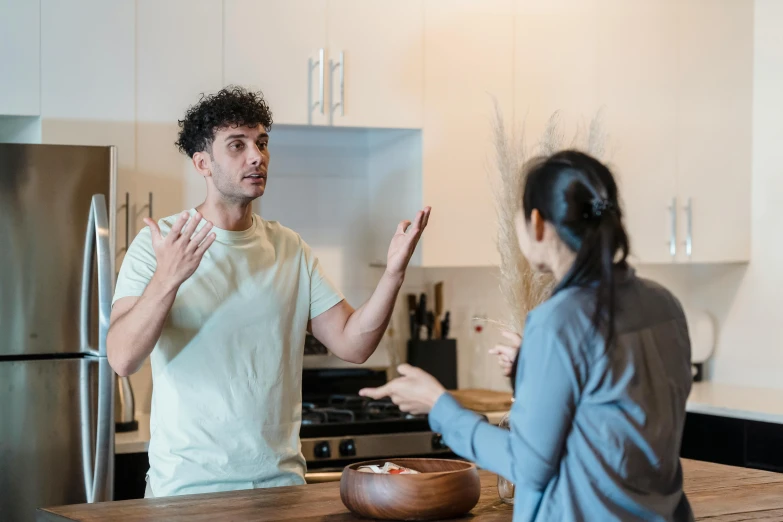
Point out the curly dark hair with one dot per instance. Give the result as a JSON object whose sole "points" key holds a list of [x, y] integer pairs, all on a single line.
{"points": [[230, 107]]}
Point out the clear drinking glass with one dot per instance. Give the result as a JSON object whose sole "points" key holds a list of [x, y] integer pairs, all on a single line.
{"points": [[505, 488]]}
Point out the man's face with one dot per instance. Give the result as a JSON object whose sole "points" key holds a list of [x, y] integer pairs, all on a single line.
{"points": [[239, 162]]}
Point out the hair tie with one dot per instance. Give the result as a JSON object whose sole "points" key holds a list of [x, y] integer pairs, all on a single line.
{"points": [[599, 208]]}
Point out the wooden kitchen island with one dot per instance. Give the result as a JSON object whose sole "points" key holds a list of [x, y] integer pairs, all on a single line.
{"points": [[716, 492]]}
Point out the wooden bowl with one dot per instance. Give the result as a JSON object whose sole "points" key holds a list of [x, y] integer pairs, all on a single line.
{"points": [[443, 489]]}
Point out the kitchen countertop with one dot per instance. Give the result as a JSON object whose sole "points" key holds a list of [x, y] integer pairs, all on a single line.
{"points": [[716, 492], [739, 402], [134, 441], [758, 404]]}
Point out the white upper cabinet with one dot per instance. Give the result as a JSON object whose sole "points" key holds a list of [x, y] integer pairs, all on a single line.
{"points": [[381, 83], [88, 74], [555, 67], [672, 79], [637, 87], [179, 55], [20, 63], [714, 130], [468, 52], [292, 52], [276, 47]]}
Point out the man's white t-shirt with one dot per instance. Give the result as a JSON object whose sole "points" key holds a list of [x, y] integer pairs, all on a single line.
{"points": [[227, 369]]}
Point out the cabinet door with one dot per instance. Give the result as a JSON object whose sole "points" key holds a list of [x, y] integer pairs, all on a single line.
{"points": [[715, 90], [382, 44], [268, 46], [179, 57], [468, 56], [88, 82], [555, 68], [20, 46], [637, 59]]}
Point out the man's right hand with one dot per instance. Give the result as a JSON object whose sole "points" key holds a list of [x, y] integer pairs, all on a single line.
{"points": [[178, 254]]}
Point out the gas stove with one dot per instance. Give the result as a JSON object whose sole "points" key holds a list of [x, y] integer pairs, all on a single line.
{"points": [[340, 427]]}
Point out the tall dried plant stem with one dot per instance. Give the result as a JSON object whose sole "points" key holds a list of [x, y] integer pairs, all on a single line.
{"points": [[522, 287]]}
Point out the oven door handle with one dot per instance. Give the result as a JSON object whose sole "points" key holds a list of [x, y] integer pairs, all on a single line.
{"points": [[316, 477]]}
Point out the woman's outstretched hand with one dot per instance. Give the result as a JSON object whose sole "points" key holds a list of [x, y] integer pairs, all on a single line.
{"points": [[416, 391]]}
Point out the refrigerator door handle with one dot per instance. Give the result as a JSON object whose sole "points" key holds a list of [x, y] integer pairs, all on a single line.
{"points": [[97, 239], [103, 484], [85, 407], [98, 467], [99, 484]]}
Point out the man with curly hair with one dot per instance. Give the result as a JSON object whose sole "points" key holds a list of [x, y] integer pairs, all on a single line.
{"points": [[221, 299]]}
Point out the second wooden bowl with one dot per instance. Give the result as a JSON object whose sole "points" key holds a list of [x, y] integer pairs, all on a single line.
{"points": [[443, 489]]}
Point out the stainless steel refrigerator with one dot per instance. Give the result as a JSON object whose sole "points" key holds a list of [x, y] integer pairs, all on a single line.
{"points": [[56, 280]]}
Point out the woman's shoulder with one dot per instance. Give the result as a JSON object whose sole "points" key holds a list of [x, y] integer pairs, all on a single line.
{"points": [[566, 316], [573, 302]]}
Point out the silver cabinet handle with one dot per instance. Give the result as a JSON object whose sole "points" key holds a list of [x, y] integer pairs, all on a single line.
{"points": [[673, 234], [148, 206], [96, 241], [689, 237], [320, 65], [332, 67], [126, 207]]}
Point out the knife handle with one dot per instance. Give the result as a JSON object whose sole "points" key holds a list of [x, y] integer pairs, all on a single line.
{"points": [[445, 324]]}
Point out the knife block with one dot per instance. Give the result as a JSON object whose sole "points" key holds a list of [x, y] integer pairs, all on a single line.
{"points": [[437, 357]]}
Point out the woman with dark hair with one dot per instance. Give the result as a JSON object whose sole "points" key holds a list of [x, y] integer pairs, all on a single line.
{"points": [[601, 378]]}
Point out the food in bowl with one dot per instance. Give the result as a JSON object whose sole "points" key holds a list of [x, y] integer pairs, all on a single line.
{"points": [[388, 468]]}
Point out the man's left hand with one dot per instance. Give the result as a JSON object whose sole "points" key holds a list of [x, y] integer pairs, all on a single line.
{"points": [[404, 243], [415, 392]]}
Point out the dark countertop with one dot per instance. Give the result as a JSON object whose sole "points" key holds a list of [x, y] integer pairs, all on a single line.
{"points": [[716, 492]]}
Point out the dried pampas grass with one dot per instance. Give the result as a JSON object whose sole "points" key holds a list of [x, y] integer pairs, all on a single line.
{"points": [[523, 288]]}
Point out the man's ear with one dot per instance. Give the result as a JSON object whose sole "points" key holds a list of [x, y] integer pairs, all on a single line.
{"points": [[203, 164]]}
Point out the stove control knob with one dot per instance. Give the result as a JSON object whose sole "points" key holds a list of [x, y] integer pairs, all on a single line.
{"points": [[322, 450], [348, 448], [437, 442]]}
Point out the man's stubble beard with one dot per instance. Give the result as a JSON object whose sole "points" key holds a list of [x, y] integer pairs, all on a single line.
{"points": [[229, 191]]}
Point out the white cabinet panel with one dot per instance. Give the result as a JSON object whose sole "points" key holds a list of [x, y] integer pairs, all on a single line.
{"points": [[269, 45], [714, 129], [383, 47], [469, 60], [556, 66], [637, 86], [179, 55]]}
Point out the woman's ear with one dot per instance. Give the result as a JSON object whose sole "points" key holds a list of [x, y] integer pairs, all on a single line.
{"points": [[537, 224]]}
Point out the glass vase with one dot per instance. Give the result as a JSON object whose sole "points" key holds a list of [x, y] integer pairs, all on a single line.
{"points": [[505, 487]]}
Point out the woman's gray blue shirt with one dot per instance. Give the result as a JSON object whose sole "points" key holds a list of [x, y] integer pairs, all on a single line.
{"points": [[595, 431]]}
